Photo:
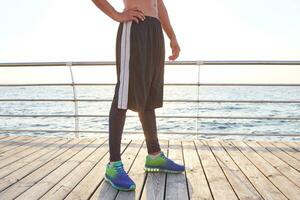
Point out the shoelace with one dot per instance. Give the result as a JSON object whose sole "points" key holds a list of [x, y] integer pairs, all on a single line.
{"points": [[163, 156], [120, 169], [167, 159]]}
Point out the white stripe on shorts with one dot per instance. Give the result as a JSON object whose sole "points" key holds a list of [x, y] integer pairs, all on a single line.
{"points": [[124, 66]]}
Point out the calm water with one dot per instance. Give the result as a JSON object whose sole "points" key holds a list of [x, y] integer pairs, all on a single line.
{"points": [[171, 109]]}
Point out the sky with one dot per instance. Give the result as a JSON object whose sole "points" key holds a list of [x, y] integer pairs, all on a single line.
{"points": [[76, 30]]}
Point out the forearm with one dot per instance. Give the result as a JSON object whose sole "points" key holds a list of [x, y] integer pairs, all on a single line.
{"points": [[107, 8], [164, 19]]}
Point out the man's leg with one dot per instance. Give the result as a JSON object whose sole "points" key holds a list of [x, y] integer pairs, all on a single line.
{"points": [[116, 125], [156, 160], [114, 172], [148, 120]]}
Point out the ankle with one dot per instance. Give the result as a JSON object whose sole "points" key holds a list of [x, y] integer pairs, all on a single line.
{"points": [[154, 155], [113, 162]]}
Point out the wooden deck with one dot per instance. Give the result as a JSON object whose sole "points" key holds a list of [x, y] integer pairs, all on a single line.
{"points": [[61, 168]]}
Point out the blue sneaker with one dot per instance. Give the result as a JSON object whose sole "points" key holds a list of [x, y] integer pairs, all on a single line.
{"points": [[117, 177], [162, 164]]}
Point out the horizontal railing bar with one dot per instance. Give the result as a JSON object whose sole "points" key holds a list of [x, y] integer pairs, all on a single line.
{"points": [[159, 116], [171, 100], [58, 84], [196, 62], [166, 84], [185, 133], [246, 84]]}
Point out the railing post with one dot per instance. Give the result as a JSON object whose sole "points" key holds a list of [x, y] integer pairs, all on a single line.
{"points": [[69, 64], [198, 87], [199, 64]]}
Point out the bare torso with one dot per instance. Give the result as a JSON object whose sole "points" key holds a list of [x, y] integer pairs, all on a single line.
{"points": [[149, 7]]}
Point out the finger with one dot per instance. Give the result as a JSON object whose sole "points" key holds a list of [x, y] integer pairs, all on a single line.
{"points": [[177, 52], [175, 55], [174, 52], [135, 19], [138, 14], [142, 15], [140, 11], [171, 58]]}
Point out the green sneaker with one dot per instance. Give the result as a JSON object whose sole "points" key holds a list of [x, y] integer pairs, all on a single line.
{"points": [[162, 164], [118, 178]]}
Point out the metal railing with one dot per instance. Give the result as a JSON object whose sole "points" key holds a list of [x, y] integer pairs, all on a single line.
{"points": [[76, 116]]}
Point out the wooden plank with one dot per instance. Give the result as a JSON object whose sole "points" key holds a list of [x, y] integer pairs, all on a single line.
{"points": [[13, 143], [42, 186], [94, 181], [155, 183], [282, 155], [240, 183], [31, 158], [137, 174], [294, 145], [31, 166], [219, 185], [288, 188], [7, 140], [3, 137], [176, 186], [23, 151], [197, 183], [280, 165], [19, 144], [65, 186], [265, 188], [28, 181], [292, 152]]}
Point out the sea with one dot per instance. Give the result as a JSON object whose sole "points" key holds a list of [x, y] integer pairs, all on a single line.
{"points": [[173, 126]]}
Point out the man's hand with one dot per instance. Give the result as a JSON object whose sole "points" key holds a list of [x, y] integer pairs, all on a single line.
{"points": [[130, 14], [175, 49], [127, 15]]}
